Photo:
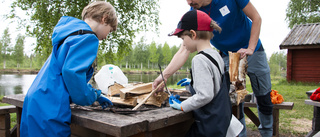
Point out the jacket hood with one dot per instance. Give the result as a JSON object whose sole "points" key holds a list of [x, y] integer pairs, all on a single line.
{"points": [[65, 26]]}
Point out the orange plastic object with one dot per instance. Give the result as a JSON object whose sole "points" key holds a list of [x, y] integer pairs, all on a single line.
{"points": [[276, 98]]}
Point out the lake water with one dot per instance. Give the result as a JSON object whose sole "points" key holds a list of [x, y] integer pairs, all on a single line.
{"points": [[17, 84]]}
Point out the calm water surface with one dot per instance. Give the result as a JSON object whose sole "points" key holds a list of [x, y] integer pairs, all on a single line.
{"points": [[17, 84]]}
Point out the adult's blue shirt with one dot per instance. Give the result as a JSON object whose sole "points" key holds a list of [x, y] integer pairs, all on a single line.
{"points": [[236, 26]]}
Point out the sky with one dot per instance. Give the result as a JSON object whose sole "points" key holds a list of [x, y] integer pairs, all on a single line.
{"points": [[274, 28]]}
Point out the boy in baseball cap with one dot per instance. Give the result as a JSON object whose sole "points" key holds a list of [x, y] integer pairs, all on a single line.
{"points": [[209, 85]]}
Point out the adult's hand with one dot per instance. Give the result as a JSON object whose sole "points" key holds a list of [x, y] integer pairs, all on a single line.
{"points": [[156, 82], [253, 14], [245, 52]]}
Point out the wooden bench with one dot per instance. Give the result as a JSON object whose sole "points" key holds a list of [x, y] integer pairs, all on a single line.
{"points": [[276, 108], [5, 121]]}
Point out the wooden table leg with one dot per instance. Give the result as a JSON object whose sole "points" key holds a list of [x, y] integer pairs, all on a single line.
{"points": [[5, 125], [19, 112], [236, 111], [276, 122], [252, 116], [315, 122]]}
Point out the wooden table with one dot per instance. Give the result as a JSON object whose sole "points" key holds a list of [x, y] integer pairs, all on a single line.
{"points": [[276, 108], [5, 123], [159, 122], [316, 117]]}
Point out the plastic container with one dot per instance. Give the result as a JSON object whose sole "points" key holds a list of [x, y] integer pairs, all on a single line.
{"points": [[108, 75]]}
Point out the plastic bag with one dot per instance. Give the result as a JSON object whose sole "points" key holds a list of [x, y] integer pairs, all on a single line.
{"points": [[108, 75]]}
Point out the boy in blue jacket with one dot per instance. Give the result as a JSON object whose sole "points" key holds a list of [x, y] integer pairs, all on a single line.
{"points": [[64, 76]]}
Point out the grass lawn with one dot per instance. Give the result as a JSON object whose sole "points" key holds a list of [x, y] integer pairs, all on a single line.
{"points": [[297, 121]]}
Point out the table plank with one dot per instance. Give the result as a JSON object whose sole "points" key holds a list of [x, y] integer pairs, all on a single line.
{"points": [[160, 118], [7, 109], [283, 105], [16, 100], [313, 103], [109, 123], [120, 125]]}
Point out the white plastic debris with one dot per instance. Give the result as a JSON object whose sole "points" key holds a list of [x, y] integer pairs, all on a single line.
{"points": [[235, 127], [108, 75]]}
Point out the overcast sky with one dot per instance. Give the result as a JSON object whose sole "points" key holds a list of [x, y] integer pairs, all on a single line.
{"points": [[273, 30]]}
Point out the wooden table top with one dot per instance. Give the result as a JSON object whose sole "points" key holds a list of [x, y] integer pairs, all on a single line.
{"points": [[313, 103], [116, 124]]}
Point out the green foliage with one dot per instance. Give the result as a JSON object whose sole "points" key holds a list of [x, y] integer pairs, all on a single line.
{"points": [[154, 57], [167, 54], [18, 50], [150, 55], [129, 59], [0, 51], [189, 61], [274, 69], [141, 53], [5, 46], [303, 11], [134, 16], [174, 49], [277, 63], [159, 52]]}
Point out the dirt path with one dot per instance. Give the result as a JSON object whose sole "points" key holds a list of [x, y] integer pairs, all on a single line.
{"points": [[299, 126]]}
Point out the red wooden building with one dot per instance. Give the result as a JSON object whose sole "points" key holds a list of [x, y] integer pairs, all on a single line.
{"points": [[303, 57]]}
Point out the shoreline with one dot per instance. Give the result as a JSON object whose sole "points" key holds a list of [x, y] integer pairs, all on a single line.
{"points": [[19, 71], [35, 71]]}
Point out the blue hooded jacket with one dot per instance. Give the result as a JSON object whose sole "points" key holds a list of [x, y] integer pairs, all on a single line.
{"points": [[62, 79]]}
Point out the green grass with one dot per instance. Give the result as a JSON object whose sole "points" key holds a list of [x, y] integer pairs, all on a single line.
{"points": [[2, 104], [291, 92]]}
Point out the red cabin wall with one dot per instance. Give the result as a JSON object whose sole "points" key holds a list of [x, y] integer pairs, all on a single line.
{"points": [[303, 65]]}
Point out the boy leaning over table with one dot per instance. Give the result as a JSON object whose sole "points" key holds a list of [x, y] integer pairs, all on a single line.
{"points": [[64, 77], [209, 86]]}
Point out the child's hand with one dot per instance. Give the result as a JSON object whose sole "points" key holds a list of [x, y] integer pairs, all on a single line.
{"points": [[104, 101], [184, 82], [175, 102]]}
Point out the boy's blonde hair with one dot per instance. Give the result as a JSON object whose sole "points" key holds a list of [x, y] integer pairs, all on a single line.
{"points": [[205, 35], [100, 9]]}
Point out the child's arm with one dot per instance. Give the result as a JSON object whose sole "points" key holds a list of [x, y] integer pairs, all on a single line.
{"points": [[82, 52], [202, 84]]}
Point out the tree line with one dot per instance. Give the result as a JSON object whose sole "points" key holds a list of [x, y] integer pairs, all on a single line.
{"points": [[142, 55], [148, 56]]}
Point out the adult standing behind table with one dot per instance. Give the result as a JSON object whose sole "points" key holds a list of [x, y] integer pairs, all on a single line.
{"points": [[241, 24], [64, 76]]}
